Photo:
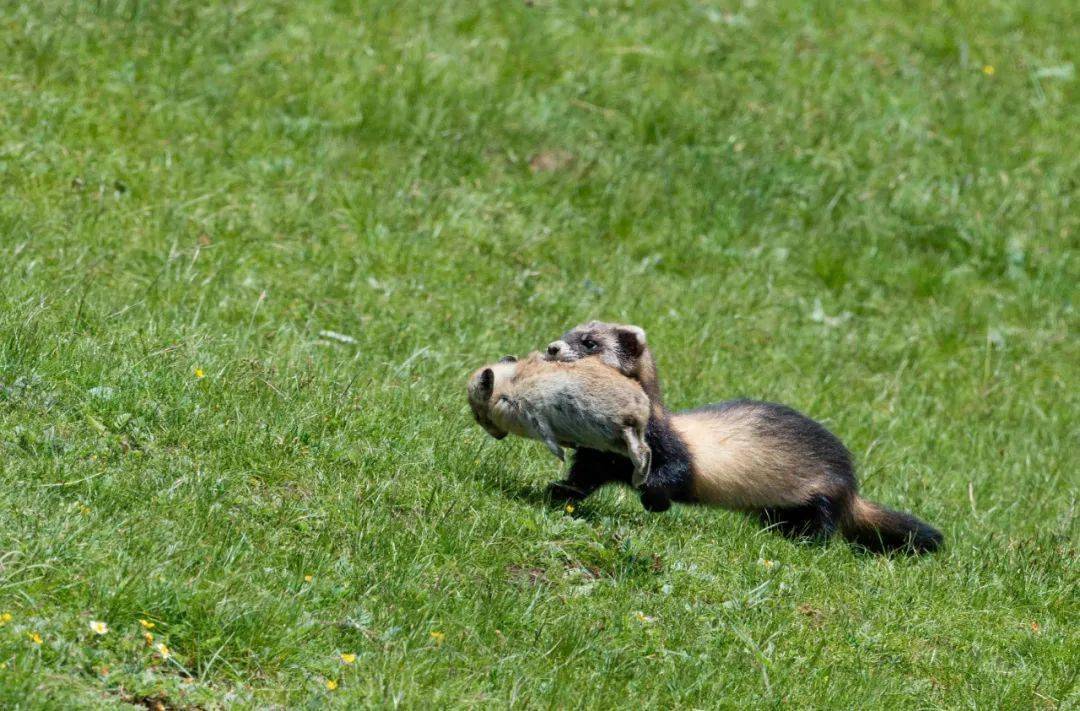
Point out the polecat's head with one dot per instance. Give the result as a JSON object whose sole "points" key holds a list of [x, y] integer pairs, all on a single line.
{"points": [[620, 346], [617, 345], [482, 392]]}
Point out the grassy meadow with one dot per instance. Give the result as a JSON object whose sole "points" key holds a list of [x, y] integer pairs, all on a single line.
{"points": [[251, 250]]}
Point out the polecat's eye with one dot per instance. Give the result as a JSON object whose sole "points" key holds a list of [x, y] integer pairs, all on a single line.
{"points": [[589, 343]]}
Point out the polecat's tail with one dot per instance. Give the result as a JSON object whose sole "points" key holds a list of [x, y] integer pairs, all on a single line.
{"points": [[883, 530]]}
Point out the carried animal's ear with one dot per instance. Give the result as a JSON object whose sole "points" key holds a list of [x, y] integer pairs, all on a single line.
{"points": [[508, 359], [631, 340], [486, 383]]}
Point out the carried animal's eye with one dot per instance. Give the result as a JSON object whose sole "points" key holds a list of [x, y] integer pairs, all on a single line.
{"points": [[589, 343]]}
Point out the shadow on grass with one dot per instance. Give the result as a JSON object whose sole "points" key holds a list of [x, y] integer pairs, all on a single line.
{"points": [[594, 508]]}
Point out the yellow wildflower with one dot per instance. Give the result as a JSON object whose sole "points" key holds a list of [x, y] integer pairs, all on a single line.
{"points": [[569, 508], [5, 618], [348, 657], [148, 637], [199, 373], [98, 627], [331, 684], [35, 638], [438, 637], [308, 578], [988, 70], [147, 624], [163, 650]]}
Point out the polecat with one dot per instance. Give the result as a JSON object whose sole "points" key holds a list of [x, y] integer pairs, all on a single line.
{"points": [[564, 404], [747, 455]]}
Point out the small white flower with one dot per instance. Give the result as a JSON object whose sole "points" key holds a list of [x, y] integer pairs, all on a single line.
{"points": [[98, 627]]}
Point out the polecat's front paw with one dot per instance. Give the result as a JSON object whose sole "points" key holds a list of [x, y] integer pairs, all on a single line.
{"points": [[655, 500]]}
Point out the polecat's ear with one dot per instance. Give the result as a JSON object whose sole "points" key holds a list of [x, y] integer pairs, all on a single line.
{"points": [[631, 340], [508, 359], [486, 383]]}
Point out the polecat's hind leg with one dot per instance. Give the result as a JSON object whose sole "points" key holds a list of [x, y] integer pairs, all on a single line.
{"points": [[816, 520], [639, 453]]}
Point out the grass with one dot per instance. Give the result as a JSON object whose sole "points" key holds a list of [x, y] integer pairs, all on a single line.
{"points": [[868, 211]]}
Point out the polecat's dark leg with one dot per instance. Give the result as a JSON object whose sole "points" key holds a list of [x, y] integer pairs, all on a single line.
{"points": [[589, 470], [816, 519], [670, 475], [668, 481], [655, 499]]}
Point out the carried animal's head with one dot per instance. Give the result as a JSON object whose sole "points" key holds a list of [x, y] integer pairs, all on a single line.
{"points": [[483, 392]]}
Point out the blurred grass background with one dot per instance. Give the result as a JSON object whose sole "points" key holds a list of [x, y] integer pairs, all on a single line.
{"points": [[865, 210]]}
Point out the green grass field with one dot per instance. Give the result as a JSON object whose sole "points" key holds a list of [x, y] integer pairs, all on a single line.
{"points": [[868, 211]]}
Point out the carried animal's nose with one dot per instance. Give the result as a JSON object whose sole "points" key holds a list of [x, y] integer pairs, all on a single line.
{"points": [[553, 349]]}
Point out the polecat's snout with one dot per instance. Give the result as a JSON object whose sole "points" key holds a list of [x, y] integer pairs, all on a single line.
{"points": [[560, 350]]}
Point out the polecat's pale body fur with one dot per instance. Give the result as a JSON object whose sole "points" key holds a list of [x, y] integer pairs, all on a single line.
{"points": [[742, 454], [579, 404]]}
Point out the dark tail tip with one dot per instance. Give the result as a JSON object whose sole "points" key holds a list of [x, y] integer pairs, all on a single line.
{"points": [[883, 530]]}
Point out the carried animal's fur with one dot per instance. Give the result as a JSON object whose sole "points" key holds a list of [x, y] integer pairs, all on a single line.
{"points": [[579, 404], [742, 454]]}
